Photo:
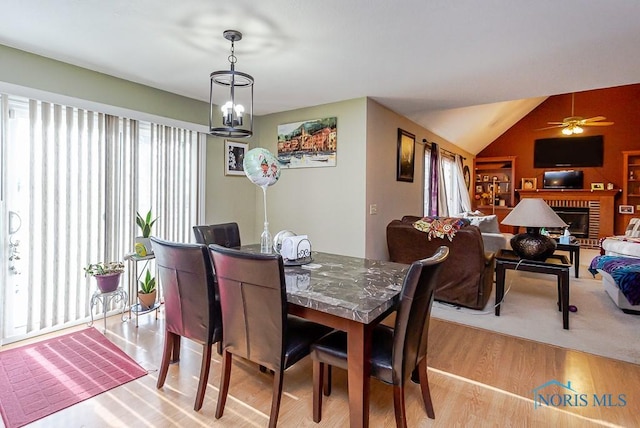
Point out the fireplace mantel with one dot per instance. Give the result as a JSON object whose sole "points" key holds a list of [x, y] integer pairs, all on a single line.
{"points": [[605, 198]]}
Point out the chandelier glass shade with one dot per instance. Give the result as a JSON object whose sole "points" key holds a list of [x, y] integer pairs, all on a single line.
{"points": [[231, 98], [572, 129]]}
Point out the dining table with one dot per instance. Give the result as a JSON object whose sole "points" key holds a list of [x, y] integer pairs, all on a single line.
{"points": [[351, 294]]}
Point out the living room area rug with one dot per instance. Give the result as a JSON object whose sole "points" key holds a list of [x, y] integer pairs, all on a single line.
{"points": [[42, 378], [530, 311]]}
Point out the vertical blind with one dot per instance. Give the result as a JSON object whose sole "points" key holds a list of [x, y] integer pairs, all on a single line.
{"points": [[75, 179]]}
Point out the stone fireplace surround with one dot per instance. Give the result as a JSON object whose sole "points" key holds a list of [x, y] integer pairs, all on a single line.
{"points": [[599, 202]]}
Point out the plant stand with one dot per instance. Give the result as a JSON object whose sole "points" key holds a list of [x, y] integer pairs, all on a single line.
{"points": [[119, 295], [135, 308]]}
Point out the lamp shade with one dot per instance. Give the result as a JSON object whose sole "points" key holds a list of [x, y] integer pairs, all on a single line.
{"points": [[533, 213]]}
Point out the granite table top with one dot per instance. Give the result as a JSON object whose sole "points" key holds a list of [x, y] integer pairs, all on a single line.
{"points": [[349, 287]]}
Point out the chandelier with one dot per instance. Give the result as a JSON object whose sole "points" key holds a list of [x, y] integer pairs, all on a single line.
{"points": [[232, 91]]}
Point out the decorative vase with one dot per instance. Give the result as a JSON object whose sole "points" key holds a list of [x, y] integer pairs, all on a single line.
{"points": [[533, 245], [109, 282], [147, 300]]}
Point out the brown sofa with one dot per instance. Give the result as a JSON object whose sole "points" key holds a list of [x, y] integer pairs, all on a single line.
{"points": [[466, 277]]}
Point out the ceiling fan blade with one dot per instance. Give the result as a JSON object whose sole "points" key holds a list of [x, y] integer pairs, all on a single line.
{"points": [[594, 119], [550, 127], [598, 124], [556, 123]]}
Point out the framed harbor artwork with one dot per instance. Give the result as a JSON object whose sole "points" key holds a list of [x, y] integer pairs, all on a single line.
{"points": [[308, 144]]}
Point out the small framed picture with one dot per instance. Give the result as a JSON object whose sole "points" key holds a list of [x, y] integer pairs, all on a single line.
{"points": [[406, 156], [234, 155], [624, 209], [478, 177], [598, 186], [479, 189], [529, 183], [485, 178]]}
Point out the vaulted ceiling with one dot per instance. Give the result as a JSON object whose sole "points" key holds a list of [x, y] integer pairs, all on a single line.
{"points": [[466, 69]]}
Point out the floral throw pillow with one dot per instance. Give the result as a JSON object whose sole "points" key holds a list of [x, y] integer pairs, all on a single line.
{"points": [[440, 227]]}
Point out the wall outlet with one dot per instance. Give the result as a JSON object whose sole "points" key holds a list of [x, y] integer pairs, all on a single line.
{"points": [[373, 209]]}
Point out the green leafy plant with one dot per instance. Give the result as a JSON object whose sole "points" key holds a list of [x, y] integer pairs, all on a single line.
{"points": [[145, 223], [148, 284], [103, 268]]}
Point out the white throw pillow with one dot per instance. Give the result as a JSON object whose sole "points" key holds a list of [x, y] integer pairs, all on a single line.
{"points": [[486, 224], [470, 214]]}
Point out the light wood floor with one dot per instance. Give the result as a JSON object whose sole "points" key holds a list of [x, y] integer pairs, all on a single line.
{"points": [[477, 379]]}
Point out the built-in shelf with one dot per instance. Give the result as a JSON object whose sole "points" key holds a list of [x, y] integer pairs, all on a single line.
{"points": [[631, 181], [494, 177]]}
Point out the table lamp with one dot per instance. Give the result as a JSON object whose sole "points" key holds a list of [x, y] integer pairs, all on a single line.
{"points": [[533, 213]]}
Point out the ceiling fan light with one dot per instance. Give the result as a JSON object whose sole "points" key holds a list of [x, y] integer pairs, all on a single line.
{"points": [[574, 124]]}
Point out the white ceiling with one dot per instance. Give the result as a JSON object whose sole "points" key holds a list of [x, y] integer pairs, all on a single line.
{"points": [[453, 66]]}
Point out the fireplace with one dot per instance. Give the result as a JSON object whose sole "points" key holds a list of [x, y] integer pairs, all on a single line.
{"points": [[599, 204], [576, 217]]}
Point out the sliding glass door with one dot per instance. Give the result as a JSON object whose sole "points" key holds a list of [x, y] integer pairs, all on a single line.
{"points": [[72, 181]]}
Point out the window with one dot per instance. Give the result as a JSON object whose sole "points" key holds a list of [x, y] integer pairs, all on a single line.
{"points": [[72, 182], [454, 193]]}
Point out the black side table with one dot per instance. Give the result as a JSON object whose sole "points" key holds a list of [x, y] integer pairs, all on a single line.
{"points": [[572, 249], [557, 265]]}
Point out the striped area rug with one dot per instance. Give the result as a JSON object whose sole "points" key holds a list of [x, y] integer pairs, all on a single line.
{"points": [[42, 378]]}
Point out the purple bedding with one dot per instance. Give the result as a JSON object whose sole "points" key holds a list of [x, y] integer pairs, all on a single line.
{"points": [[625, 271]]}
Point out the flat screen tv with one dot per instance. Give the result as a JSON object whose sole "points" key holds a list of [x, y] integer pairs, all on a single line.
{"points": [[569, 151], [563, 179]]}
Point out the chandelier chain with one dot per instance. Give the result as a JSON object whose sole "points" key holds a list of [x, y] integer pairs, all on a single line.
{"points": [[232, 58]]}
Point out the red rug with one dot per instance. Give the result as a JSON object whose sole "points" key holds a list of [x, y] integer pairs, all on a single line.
{"points": [[42, 378]]}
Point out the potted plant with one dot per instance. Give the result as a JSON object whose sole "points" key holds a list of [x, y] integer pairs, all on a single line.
{"points": [[147, 291], [107, 274], [145, 224]]}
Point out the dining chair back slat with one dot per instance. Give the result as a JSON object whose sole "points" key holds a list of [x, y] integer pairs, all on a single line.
{"points": [[396, 353], [225, 234], [253, 302], [411, 330], [255, 322], [191, 306]]}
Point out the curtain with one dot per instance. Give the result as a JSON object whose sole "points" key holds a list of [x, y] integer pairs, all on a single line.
{"points": [[443, 206], [438, 192], [434, 180], [462, 191]]}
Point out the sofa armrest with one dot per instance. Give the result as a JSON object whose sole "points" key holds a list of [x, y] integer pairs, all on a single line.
{"points": [[495, 242], [620, 246], [489, 256]]}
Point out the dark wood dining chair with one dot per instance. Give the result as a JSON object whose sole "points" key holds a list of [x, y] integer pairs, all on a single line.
{"points": [[395, 352], [225, 234], [191, 306], [255, 322]]}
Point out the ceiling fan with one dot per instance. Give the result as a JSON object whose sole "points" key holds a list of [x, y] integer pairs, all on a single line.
{"points": [[573, 124]]}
